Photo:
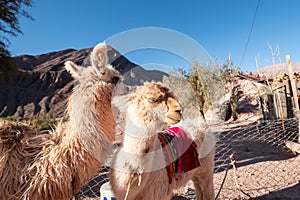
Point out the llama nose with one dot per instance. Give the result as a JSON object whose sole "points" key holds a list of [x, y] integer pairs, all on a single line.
{"points": [[173, 103], [177, 107], [178, 111]]}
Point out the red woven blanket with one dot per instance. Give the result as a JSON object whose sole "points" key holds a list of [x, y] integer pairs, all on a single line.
{"points": [[180, 151]]}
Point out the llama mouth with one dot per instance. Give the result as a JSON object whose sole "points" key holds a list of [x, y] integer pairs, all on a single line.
{"points": [[174, 120], [115, 80]]}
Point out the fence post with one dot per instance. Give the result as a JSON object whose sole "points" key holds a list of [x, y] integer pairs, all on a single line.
{"points": [[293, 83], [262, 107], [288, 100], [272, 106], [294, 89]]}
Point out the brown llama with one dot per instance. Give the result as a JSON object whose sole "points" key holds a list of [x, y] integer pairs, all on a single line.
{"points": [[144, 167], [53, 165]]}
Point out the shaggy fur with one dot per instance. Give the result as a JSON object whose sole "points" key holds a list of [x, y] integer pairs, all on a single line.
{"points": [[53, 165], [138, 168]]}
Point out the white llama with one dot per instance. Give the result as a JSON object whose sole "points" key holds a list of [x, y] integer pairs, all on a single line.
{"points": [[142, 168]]}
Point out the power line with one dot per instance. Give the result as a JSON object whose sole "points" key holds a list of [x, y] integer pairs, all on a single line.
{"points": [[250, 33]]}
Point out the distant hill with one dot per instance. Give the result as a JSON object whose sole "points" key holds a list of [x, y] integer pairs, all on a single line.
{"points": [[50, 61], [137, 75], [44, 85], [278, 69]]}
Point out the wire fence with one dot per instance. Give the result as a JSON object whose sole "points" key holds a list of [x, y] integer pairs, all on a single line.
{"points": [[265, 168], [251, 162]]}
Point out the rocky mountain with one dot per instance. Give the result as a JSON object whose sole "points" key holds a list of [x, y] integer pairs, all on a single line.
{"points": [[43, 85]]}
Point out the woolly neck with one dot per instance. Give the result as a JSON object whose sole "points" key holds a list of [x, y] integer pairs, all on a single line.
{"points": [[84, 104]]}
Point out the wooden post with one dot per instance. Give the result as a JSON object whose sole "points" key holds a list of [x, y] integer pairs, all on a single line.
{"points": [[288, 100], [262, 107], [294, 89], [272, 107], [293, 83]]}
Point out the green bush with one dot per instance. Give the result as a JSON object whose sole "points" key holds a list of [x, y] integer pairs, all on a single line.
{"points": [[41, 121]]}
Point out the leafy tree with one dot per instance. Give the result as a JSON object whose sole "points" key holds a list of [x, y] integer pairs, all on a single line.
{"points": [[10, 11], [199, 84], [212, 75], [197, 88], [177, 81], [229, 75]]}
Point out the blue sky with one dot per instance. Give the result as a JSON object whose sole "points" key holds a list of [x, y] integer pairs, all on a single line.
{"points": [[221, 27]]}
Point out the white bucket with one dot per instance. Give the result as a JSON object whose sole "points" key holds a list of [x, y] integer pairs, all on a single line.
{"points": [[106, 192]]}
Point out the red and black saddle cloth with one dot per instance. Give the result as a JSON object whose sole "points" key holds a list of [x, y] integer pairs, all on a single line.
{"points": [[180, 151]]}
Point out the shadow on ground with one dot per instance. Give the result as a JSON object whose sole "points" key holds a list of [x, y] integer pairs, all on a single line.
{"points": [[255, 142], [284, 194]]}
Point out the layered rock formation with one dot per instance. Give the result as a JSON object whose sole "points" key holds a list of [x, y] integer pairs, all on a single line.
{"points": [[43, 85]]}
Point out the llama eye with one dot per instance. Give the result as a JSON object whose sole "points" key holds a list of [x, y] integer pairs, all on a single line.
{"points": [[153, 100], [102, 72]]}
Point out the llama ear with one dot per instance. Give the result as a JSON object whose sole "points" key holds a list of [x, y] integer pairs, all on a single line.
{"points": [[99, 55], [73, 69]]}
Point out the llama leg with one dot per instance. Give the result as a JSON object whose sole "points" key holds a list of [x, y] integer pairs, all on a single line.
{"points": [[153, 193], [156, 187], [203, 178]]}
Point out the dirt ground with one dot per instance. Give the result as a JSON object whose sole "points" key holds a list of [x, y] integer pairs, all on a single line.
{"points": [[263, 168], [273, 179]]}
